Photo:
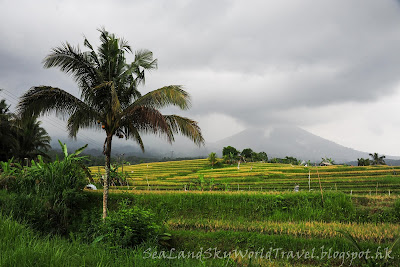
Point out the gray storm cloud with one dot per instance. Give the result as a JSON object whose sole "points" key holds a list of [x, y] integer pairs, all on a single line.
{"points": [[258, 62]]}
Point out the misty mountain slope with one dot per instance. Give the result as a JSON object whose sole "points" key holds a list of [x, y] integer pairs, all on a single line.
{"points": [[289, 141], [276, 142]]}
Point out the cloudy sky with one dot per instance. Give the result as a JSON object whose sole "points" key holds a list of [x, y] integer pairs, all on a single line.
{"points": [[330, 67]]}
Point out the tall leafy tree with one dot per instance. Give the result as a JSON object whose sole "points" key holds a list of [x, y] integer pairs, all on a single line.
{"points": [[376, 159], [21, 138], [262, 156], [8, 140], [109, 96], [32, 139], [226, 151], [246, 153]]}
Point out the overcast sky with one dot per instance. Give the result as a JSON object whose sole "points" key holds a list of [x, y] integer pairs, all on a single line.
{"points": [[330, 67]]}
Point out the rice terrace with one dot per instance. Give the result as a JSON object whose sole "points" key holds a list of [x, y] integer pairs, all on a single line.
{"points": [[256, 176], [245, 208], [268, 136]]}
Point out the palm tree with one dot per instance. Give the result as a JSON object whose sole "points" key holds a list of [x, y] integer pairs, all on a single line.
{"points": [[32, 139], [21, 138], [109, 97], [7, 132], [212, 158], [376, 160]]}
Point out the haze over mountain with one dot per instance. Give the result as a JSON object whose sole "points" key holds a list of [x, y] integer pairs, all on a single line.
{"points": [[275, 141], [290, 141]]}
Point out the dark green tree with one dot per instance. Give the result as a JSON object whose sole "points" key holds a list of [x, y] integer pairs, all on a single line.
{"points": [[247, 153], [21, 138], [32, 139], [109, 96], [363, 162], [377, 160], [8, 141], [262, 156], [291, 160], [226, 151]]}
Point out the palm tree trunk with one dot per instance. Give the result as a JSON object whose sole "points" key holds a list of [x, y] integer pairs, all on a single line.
{"points": [[107, 178]]}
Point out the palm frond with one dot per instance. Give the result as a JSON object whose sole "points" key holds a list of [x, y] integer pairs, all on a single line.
{"points": [[163, 97], [144, 59], [123, 44], [46, 99], [82, 118], [147, 120], [72, 61], [93, 54], [185, 127], [132, 133]]}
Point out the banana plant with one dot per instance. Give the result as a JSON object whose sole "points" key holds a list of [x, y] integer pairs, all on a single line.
{"points": [[78, 160]]}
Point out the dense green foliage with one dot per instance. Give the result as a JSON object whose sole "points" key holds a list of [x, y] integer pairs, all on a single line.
{"points": [[247, 153], [129, 226], [226, 151], [363, 162], [286, 160], [21, 137], [50, 198], [46, 194]]}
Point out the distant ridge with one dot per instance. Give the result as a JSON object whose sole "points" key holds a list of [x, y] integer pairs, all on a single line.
{"points": [[278, 142], [289, 141]]}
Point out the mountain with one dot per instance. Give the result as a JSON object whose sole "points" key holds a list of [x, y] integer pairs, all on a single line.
{"points": [[275, 141], [289, 141], [155, 147]]}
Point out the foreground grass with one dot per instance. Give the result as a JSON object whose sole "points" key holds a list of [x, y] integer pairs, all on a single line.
{"points": [[336, 251], [226, 222], [289, 221], [20, 246]]}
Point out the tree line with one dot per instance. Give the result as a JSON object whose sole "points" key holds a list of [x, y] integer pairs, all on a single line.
{"points": [[375, 160]]}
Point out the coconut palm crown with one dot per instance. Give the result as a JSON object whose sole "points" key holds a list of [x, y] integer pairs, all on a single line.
{"points": [[376, 159], [109, 97]]}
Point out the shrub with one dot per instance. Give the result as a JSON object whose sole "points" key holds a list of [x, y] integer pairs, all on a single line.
{"points": [[129, 226], [48, 195], [8, 172]]}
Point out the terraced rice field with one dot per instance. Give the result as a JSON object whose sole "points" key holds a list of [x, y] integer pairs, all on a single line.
{"points": [[288, 221], [254, 207], [185, 175]]}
